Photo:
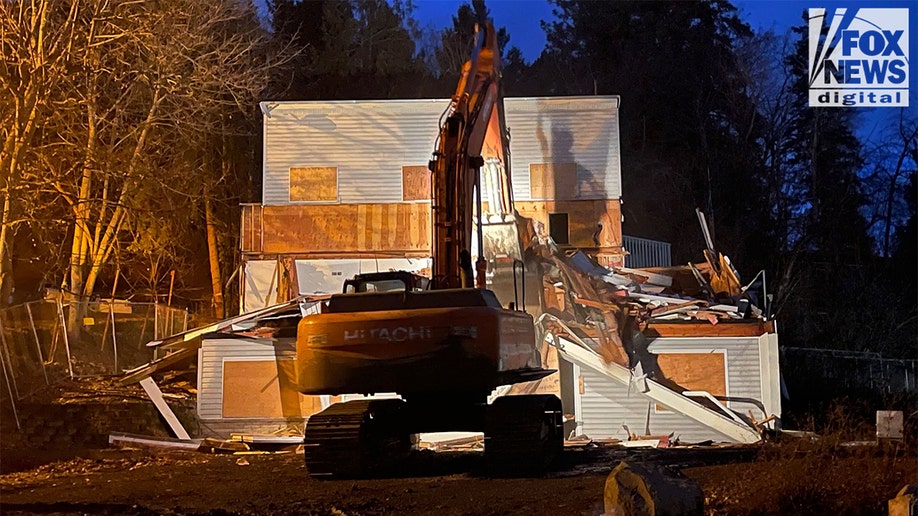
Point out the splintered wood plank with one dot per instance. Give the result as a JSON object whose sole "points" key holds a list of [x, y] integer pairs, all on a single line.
{"points": [[706, 329]]}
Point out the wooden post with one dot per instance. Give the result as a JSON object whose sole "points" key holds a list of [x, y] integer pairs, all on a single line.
{"points": [[115, 286], [171, 283]]}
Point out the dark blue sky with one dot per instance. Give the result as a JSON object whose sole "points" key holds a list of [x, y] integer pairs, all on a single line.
{"points": [[522, 18]]}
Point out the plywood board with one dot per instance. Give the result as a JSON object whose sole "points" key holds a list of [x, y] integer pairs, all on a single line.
{"points": [[404, 228], [264, 389], [416, 183], [695, 371], [584, 218], [313, 184], [552, 180], [348, 228]]}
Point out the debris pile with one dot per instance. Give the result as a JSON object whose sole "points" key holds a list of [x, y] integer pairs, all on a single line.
{"points": [[614, 306]]}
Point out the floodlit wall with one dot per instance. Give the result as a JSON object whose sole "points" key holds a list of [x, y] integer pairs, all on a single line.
{"points": [[355, 152]]}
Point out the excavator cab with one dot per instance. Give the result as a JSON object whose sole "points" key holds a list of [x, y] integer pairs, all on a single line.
{"points": [[391, 281]]}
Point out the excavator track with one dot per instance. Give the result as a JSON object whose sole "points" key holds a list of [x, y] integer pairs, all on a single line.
{"points": [[523, 434], [355, 438]]}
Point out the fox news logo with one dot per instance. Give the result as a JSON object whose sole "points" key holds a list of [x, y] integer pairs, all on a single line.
{"points": [[858, 57]]}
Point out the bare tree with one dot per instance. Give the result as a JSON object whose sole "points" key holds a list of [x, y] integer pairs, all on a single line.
{"points": [[136, 101], [35, 42], [893, 158]]}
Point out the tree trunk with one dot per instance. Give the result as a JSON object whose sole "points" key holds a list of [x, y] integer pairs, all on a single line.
{"points": [[216, 280], [6, 256]]}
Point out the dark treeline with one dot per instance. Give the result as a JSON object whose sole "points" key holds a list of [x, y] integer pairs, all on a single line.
{"points": [[713, 116]]}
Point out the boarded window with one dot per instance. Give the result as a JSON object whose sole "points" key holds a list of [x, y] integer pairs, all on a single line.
{"points": [[557, 181], [313, 184], [558, 228], [262, 388], [415, 183], [695, 371]]}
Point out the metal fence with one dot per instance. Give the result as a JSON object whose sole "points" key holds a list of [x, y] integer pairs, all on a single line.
{"points": [[44, 342], [646, 253], [809, 368]]}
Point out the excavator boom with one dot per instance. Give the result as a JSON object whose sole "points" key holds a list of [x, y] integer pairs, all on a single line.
{"points": [[472, 133]]}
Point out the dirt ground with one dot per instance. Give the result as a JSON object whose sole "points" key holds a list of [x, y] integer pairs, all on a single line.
{"points": [[769, 479]]}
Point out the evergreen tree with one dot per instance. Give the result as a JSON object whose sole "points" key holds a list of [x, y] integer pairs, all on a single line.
{"points": [[685, 116]]}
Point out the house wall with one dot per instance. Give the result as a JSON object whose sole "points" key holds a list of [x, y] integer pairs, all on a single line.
{"points": [[249, 385], [606, 406], [324, 231], [564, 160], [369, 142]]}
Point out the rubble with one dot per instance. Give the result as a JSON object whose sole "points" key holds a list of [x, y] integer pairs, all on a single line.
{"points": [[590, 310]]}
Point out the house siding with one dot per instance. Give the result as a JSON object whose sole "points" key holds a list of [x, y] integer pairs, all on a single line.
{"points": [[370, 141], [607, 405]]}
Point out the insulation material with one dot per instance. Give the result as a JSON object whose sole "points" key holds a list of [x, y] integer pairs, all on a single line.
{"points": [[316, 276], [260, 278]]}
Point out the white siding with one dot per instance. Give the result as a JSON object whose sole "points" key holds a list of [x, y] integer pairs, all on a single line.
{"points": [[607, 405], [370, 142], [582, 130]]}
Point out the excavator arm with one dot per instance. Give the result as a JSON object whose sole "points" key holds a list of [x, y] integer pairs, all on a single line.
{"points": [[471, 134]]}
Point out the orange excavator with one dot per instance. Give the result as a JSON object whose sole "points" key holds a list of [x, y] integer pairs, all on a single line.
{"points": [[443, 344]]}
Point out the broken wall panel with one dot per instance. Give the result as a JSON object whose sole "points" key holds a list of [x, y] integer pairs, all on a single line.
{"points": [[608, 406]]}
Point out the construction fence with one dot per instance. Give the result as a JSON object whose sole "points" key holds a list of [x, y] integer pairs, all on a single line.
{"points": [[44, 342], [807, 370]]}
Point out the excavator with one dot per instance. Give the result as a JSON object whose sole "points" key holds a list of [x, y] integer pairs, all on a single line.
{"points": [[444, 343]]}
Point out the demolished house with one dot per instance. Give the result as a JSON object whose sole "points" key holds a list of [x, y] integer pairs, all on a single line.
{"points": [[683, 352]]}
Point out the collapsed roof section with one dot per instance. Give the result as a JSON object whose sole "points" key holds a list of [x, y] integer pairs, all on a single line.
{"points": [[182, 348], [603, 319]]}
